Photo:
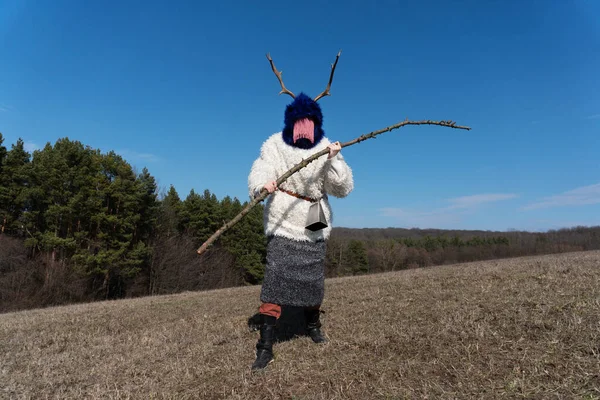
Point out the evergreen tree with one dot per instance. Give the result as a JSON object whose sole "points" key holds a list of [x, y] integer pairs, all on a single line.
{"points": [[429, 243], [116, 246], [3, 188], [62, 198], [169, 216], [190, 209], [13, 180], [457, 242], [201, 215], [246, 241], [208, 216], [148, 205], [356, 257], [2, 154]]}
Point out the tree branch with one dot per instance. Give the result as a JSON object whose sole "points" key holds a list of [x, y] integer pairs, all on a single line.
{"points": [[264, 193]]}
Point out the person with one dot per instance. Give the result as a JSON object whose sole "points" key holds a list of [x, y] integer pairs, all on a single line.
{"points": [[294, 272]]}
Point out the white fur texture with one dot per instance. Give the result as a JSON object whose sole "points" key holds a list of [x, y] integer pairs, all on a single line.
{"points": [[285, 215]]}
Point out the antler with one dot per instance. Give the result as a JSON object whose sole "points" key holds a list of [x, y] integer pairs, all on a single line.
{"points": [[326, 91], [278, 74]]}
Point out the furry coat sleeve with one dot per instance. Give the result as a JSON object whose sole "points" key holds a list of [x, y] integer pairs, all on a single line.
{"points": [[286, 215], [262, 171], [338, 178]]}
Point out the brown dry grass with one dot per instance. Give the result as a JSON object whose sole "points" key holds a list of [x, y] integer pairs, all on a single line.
{"points": [[518, 328]]}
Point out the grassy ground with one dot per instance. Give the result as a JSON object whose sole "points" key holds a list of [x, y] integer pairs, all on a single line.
{"points": [[515, 328]]}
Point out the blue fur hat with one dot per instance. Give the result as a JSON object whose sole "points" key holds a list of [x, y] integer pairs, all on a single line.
{"points": [[302, 107]]}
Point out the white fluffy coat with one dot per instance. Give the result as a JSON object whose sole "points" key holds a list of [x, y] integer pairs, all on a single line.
{"points": [[286, 215]]}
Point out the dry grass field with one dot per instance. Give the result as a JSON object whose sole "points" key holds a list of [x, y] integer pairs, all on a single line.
{"points": [[514, 328]]}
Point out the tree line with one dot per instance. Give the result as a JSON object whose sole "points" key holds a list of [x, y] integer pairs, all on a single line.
{"points": [[360, 251], [80, 225]]}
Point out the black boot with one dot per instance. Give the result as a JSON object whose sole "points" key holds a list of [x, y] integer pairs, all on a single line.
{"points": [[264, 347], [313, 325]]}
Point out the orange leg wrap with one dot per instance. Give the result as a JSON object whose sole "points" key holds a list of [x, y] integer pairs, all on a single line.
{"points": [[271, 309]]}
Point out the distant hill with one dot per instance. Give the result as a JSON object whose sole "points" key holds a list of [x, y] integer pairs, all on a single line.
{"points": [[395, 233]]}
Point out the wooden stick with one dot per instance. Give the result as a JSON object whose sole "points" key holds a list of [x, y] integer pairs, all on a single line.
{"points": [[264, 193]]}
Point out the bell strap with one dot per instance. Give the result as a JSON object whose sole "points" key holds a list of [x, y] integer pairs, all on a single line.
{"points": [[306, 198]]}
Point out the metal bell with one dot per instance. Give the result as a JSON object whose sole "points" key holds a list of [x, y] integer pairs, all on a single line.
{"points": [[316, 217]]}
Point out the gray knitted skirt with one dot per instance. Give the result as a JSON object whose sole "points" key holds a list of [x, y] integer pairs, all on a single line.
{"points": [[295, 273]]}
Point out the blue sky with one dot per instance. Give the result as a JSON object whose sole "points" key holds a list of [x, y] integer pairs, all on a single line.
{"points": [[184, 88]]}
